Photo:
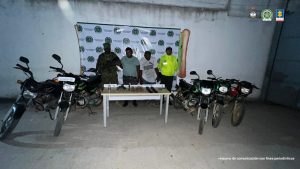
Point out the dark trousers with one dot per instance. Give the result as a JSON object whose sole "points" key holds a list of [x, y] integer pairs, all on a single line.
{"points": [[167, 81], [132, 81]]}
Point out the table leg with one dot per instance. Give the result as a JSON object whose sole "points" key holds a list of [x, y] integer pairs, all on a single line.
{"points": [[107, 106], [167, 109], [198, 115], [161, 104], [104, 110]]}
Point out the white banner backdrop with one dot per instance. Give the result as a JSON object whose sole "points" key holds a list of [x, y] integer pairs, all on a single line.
{"points": [[91, 37]]}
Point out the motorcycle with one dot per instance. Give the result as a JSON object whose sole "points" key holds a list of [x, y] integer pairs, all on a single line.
{"points": [[221, 88], [31, 92], [89, 92], [182, 97], [206, 90], [80, 90], [239, 90]]}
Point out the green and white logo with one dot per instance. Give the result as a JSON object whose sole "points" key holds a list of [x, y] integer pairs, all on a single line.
{"points": [[135, 31], [153, 51], [266, 15], [79, 28], [170, 33], [108, 40], [118, 50], [126, 41], [177, 43], [91, 59], [117, 30], [89, 39], [161, 43], [99, 49], [98, 29], [83, 68], [143, 42], [152, 33], [81, 48]]}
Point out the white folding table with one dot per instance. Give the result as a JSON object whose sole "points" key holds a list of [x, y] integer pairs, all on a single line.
{"points": [[134, 92]]}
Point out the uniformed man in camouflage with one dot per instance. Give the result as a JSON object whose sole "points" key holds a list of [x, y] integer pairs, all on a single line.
{"points": [[106, 65]]}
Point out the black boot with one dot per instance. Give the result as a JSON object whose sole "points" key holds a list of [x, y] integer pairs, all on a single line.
{"points": [[125, 103], [134, 103]]}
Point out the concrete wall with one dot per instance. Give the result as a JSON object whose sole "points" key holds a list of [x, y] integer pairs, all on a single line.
{"points": [[284, 86], [231, 46]]}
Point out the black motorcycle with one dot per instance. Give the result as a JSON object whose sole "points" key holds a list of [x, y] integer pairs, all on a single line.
{"points": [[221, 88], [31, 92], [183, 97], [206, 90], [80, 90]]}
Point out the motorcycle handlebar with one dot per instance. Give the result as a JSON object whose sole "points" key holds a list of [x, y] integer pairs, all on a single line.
{"points": [[51, 67], [57, 69], [211, 78], [22, 67]]}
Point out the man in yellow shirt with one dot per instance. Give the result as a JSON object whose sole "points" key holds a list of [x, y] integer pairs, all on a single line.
{"points": [[168, 66]]}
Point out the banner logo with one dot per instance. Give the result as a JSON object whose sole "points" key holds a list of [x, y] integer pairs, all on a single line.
{"points": [[143, 42], [98, 29], [108, 40], [89, 39], [177, 43], [118, 50], [153, 51], [161, 43], [81, 48], [152, 33], [91, 59], [83, 68], [99, 49], [170, 33], [135, 31], [126, 41], [117, 30], [79, 28]]}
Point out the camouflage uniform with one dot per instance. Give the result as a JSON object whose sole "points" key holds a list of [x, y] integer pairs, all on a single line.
{"points": [[106, 66]]}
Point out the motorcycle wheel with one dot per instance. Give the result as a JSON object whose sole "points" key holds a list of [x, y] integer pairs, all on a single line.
{"points": [[59, 122], [217, 115], [238, 113], [11, 121], [202, 121], [177, 103]]}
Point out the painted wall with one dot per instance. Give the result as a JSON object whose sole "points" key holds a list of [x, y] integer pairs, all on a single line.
{"points": [[231, 46], [284, 86]]}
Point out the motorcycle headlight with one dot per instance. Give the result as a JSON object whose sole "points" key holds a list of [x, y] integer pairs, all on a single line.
{"points": [[28, 94], [205, 91], [69, 88], [223, 89], [245, 90]]}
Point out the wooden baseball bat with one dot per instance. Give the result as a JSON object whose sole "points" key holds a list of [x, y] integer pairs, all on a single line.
{"points": [[184, 38]]}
